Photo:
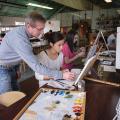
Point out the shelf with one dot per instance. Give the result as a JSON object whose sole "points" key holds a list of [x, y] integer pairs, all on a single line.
{"points": [[108, 23]]}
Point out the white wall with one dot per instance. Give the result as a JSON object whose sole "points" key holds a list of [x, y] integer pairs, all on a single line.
{"points": [[9, 21], [65, 19]]}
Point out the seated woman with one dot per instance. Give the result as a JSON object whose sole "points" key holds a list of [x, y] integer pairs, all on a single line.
{"points": [[69, 50], [52, 57]]}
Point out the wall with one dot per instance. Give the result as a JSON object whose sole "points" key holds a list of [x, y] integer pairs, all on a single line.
{"points": [[10, 21], [66, 18]]}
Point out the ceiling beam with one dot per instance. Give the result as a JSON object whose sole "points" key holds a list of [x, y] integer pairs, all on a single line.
{"points": [[77, 4], [55, 12]]}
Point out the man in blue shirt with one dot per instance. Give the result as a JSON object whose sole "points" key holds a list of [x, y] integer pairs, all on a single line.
{"points": [[16, 47]]}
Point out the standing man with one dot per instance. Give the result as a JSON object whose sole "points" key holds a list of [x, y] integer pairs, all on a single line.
{"points": [[16, 47]]}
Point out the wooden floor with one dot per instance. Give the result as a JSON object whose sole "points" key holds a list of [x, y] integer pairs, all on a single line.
{"points": [[100, 102]]}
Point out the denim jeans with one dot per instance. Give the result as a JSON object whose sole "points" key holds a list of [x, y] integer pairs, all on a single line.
{"points": [[8, 78]]}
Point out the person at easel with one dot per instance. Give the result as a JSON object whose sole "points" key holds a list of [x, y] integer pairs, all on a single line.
{"points": [[70, 53]]}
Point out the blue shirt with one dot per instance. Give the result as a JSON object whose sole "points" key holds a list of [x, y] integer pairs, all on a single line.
{"points": [[16, 46]]}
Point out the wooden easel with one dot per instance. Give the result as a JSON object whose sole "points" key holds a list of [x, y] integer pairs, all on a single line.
{"points": [[93, 48]]}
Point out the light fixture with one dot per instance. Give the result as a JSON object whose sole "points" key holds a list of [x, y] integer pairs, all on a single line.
{"points": [[108, 1], [41, 6]]}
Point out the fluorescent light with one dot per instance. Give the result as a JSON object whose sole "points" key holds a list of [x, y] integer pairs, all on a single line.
{"points": [[108, 1], [41, 6]]}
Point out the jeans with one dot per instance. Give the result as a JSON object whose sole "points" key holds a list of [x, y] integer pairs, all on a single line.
{"points": [[8, 78]]}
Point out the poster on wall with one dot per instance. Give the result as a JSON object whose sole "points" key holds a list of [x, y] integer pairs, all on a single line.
{"points": [[53, 25]]}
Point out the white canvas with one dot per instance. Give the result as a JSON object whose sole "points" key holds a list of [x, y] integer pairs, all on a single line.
{"points": [[86, 68], [118, 49]]}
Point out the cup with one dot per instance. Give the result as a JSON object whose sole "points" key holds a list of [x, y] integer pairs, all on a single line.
{"points": [[77, 72], [81, 85]]}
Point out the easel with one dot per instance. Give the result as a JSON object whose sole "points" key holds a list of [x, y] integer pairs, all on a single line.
{"points": [[93, 48], [90, 54]]}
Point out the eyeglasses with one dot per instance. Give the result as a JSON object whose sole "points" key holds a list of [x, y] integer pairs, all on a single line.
{"points": [[39, 29]]}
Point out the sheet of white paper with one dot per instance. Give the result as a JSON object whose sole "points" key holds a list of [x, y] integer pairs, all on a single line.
{"points": [[109, 68]]}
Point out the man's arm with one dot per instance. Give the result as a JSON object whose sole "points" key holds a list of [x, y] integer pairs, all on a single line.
{"points": [[23, 48]]}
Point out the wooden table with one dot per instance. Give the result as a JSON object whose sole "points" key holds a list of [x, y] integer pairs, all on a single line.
{"points": [[101, 100], [29, 112]]}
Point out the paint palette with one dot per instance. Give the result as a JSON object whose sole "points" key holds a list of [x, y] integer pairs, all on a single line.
{"points": [[54, 104]]}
